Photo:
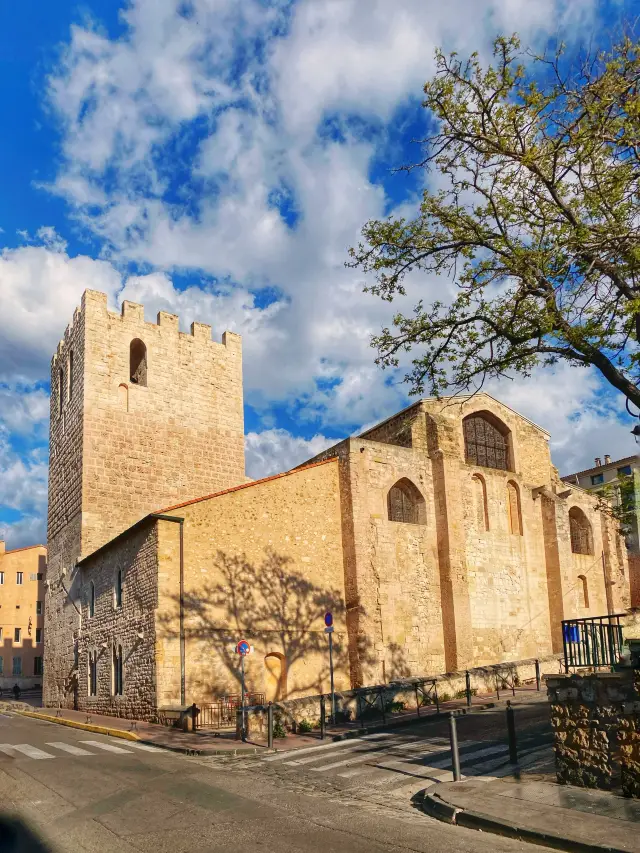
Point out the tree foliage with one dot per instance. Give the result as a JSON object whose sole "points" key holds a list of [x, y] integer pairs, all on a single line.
{"points": [[532, 213]]}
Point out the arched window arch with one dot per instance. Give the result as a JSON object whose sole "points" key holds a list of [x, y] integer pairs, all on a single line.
{"points": [[486, 441], [480, 502], [117, 589], [275, 677], [117, 672], [585, 590], [92, 599], [60, 390], [580, 531], [405, 503], [138, 362], [514, 512]]}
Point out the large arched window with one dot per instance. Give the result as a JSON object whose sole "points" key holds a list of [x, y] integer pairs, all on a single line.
{"points": [[486, 441], [514, 513], [580, 530], [405, 503], [138, 362], [480, 502]]}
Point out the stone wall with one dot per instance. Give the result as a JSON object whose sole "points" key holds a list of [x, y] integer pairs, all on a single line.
{"points": [[596, 724], [131, 626]]}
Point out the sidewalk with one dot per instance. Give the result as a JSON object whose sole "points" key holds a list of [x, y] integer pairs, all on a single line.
{"points": [[542, 812]]}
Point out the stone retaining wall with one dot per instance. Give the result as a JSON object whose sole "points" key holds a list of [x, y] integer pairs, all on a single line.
{"points": [[596, 724]]}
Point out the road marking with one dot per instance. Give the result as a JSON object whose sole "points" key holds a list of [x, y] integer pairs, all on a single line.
{"points": [[106, 746], [67, 747], [367, 756], [144, 746], [32, 751], [7, 749], [334, 745]]}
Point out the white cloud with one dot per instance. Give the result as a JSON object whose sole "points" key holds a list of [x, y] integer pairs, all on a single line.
{"points": [[275, 450]]}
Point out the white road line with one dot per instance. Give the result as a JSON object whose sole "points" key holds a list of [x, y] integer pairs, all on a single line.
{"points": [[32, 751], [384, 754], [7, 749], [334, 745], [67, 747], [421, 770], [106, 746], [367, 756], [145, 746]]}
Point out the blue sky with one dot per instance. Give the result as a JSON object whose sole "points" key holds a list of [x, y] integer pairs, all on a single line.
{"points": [[216, 159]]}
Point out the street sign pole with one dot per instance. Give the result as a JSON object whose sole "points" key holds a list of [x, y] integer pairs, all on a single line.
{"points": [[244, 720], [333, 695]]}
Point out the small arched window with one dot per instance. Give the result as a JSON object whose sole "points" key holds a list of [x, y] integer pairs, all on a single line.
{"points": [[60, 390], [138, 362], [513, 508], [117, 590], [480, 502], [117, 674], [585, 590], [486, 441], [92, 599], [405, 503], [580, 531], [93, 673], [70, 376]]}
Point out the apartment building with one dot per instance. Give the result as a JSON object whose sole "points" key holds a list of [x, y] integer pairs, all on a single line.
{"points": [[22, 591]]}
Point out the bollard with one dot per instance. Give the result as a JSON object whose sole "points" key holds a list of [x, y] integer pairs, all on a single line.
{"points": [[417, 699], [467, 681], [239, 724], [455, 754], [511, 730], [537, 674], [323, 719], [435, 691], [497, 689], [194, 717], [382, 708], [270, 726]]}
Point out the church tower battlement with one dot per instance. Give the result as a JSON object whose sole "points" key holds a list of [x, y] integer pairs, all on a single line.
{"points": [[142, 416]]}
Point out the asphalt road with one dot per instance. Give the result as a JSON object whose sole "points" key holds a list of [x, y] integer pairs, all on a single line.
{"points": [[81, 795]]}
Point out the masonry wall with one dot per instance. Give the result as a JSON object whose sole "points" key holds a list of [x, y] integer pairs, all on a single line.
{"points": [[261, 563], [131, 626], [19, 609]]}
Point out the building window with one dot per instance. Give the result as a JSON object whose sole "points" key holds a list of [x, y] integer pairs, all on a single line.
{"points": [[625, 471], [92, 599], [585, 590], [60, 390], [596, 479], [39, 576], [93, 673], [17, 635], [0, 635], [38, 635], [38, 608], [117, 671], [19, 577], [405, 503], [33, 576], [513, 508], [580, 531], [117, 591], [1, 578], [17, 666], [138, 362], [480, 502], [1, 665], [37, 666], [486, 441], [70, 376]]}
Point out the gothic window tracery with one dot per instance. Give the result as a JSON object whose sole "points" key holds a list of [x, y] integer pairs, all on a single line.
{"points": [[405, 503], [486, 441], [580, 531]]}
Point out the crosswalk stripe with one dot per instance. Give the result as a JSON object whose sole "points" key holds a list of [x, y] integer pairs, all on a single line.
{"points": [[367, 756], [416, 769], [334, 745], [354, 748], [32, 751], [7, 749], [144, 746], [67, 747], [106, 746]]}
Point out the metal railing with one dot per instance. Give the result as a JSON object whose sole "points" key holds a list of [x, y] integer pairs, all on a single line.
{"points": [[592, 643], [222, 712]]}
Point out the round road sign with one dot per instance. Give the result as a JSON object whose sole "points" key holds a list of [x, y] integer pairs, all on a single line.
{"points": [[328, 619], [243, 648]]}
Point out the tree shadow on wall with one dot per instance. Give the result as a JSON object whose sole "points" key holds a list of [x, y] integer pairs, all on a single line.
{"points": [[272, 606]]}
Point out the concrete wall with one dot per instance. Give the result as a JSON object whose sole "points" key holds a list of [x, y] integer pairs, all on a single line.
{"points": [[18, 609], [263, 563]]}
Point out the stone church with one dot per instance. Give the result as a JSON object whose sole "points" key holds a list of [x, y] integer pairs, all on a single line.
{"points": [[440, 539]]}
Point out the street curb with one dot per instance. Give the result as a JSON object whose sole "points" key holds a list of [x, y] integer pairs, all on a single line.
{"points": [[75, 724], [205, 751], [436, 807]]}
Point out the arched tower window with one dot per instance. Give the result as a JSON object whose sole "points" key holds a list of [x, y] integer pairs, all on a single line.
{"points": [[585, 590], [405, 503], [513, 508], [60, 390], [480, 502], [117, 589], [486, 441], [138, 362], [70, 376], [92, 599], [580, 530]]}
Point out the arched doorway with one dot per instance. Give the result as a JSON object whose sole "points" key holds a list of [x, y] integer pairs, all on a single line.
{"points": [[275, 678]]}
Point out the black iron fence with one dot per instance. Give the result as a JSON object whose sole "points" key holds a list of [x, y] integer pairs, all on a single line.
{"points": [[222, 712], [592, 643]]}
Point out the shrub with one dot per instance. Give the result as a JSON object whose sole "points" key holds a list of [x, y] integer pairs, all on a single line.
{"points": [[394, 707], [304, 726], [279, 729], [444, 697]]}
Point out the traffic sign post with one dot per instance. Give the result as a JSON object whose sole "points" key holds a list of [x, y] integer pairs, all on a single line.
{"points": [[328, 621], [243, 649]]}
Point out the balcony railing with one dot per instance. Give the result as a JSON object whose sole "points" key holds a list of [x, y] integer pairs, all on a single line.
{"points": [[592, 643]]}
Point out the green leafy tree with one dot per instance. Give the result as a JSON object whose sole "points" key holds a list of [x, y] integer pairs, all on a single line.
{"points": [[530, 224]]}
